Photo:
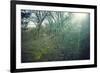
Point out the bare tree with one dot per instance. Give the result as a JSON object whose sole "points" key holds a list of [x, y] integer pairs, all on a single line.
{"points": [[38, 17]]}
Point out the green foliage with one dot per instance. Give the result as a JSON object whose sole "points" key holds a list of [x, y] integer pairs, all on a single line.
{"points": [[55, 37]]}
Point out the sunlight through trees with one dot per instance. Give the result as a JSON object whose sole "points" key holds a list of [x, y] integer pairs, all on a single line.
{"points": [[54, 36]]}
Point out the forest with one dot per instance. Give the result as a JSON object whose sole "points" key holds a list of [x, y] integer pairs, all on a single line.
{"points": [[54, 36]]}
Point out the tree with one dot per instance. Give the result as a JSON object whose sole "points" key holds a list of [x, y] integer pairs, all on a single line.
{"points": [[38, 17], [25, 15]]}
